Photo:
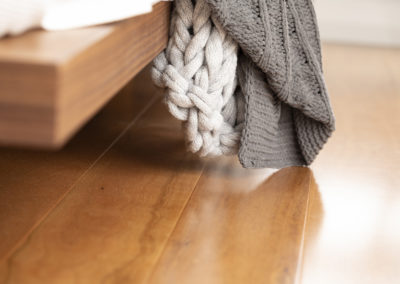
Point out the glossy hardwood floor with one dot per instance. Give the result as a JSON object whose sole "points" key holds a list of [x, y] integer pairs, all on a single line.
{"points": [[124, 203], [354, 231]]}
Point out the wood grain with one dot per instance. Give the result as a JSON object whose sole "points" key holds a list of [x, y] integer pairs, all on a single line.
{"points": [[118, 215], [32, 183], [240, 226], [51, 83]]}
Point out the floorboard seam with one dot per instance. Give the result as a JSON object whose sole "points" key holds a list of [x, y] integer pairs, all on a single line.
{"points": [[301, 249], [150, 275], [25, 240]]}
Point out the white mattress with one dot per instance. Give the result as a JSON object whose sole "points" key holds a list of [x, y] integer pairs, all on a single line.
{"points": [[17, 16]]}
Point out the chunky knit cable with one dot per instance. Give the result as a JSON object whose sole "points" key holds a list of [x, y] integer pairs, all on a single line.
{"points": [[198, 71]]}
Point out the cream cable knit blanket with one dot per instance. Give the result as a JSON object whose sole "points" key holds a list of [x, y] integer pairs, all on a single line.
{"points": [[198, 70]]}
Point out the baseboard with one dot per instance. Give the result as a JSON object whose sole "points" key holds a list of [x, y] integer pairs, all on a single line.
{"points": [[372, 22]]}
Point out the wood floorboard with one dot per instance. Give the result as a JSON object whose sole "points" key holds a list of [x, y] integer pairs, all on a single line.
{"points": [[34, 182], [240, 226], [113, 224], [3, 271], [353, 231]]}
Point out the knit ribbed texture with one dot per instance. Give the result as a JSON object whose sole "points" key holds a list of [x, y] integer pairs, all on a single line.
{"points": [[274, 143], [288, 116]]}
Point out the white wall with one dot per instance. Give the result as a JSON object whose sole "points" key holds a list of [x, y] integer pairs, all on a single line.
{"points": [[372, 22]]}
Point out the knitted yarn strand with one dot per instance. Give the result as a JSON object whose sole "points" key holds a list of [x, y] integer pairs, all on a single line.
{"points": [[198, 72]]}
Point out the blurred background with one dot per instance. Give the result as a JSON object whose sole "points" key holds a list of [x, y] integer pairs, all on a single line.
{"points": [[356, 232], [369, 22]]}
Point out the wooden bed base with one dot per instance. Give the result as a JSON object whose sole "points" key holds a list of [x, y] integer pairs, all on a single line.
{"points": [[51, 83]]}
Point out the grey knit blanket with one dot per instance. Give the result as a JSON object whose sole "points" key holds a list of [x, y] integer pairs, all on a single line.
{"points": [[288, 117]]}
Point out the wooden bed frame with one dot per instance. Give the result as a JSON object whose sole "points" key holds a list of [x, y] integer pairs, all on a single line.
{"points": [[51, 83]]}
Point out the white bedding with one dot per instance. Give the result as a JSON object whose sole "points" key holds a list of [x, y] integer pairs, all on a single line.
{"points": [[17, 16]]}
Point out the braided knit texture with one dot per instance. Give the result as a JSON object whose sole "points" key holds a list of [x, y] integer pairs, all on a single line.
{"points": [[198, 72]]}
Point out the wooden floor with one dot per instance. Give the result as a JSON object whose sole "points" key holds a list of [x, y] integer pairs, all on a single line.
{"points": [[124, 203]]}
